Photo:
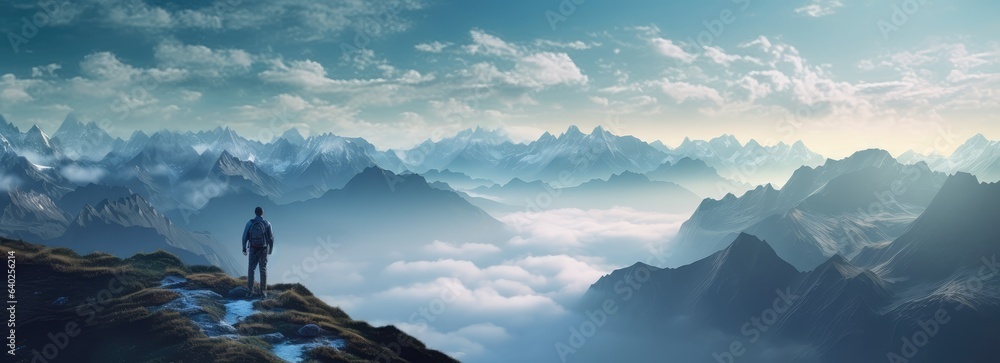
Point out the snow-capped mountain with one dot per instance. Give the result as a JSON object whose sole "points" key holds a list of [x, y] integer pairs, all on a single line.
{"points": [[124, 150], [225, 139], [293, 136], [750, 163], [240, 174], [574, 157], [9, 131], [977, 155], [37, 147], [83, 141], [17, 172], [472, 151], [328, 161]]}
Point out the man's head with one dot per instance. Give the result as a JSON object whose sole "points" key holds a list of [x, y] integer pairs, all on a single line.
{"points": [[258, 211]]}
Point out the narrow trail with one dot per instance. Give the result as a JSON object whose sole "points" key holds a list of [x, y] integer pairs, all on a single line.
{"points": [[191, 304]]}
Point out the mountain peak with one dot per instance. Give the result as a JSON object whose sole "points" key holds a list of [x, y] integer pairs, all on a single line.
{"points": [[745, 242], [35, 130], [840, 266], [688, 162], [36, 134], [727, 140], [70, 124], [515, 182], [628, 177], [227, 156], [747, 254], [293, 135], [573, 130], [374, 178], [869, 157], [959, 182], [8, 129]]}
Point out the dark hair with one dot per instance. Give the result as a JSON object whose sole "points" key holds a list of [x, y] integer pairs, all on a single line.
{"points": [[258, 211]]}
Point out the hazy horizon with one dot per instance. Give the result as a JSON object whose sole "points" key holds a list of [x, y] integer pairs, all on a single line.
{"points": [[397, 75], [951, 140]]}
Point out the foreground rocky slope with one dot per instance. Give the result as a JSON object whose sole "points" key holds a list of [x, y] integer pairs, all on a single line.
{"points": [[153, 308]]}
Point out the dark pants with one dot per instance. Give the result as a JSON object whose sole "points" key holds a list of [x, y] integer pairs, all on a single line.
{"points": [[257, 256]]}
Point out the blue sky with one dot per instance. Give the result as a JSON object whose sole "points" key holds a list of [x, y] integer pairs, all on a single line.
{"points": [[839, 74]]}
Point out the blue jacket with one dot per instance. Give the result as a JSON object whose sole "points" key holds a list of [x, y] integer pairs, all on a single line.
{"points": [[268, 235]]}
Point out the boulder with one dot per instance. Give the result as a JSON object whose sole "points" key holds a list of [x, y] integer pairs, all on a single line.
{"points": [[309, 330], [239, 293]]}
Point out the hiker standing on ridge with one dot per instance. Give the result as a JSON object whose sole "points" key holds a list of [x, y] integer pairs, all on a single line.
{"points": [[258, 235]]}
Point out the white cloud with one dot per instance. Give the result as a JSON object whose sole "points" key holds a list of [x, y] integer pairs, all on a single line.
{"points": [[189, 95], [291, 102], [107, 66], [460, 249], [295, 20], [45, 71], [546, 69], [344, 302], [683, 91], [458, 344], [576, 44], [532, 69], [667, 48], [14, 90], [432, 47], [197, 19], [82, 174], [415, 77], [599, 100], [484, 43], [310, 75], [719, 56], [820, 8], [136, 13], [202, 60], [566, 229]]}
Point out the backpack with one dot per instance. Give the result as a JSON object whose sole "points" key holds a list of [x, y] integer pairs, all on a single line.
{"points": [[258, 237]]}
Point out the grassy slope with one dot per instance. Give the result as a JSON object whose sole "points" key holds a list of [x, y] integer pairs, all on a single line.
{"points": [[117, 325]]}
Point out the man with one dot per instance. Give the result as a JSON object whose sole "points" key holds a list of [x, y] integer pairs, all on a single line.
{"points": [[257, 234]]}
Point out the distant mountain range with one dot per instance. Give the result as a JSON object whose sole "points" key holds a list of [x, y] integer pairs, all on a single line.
{"points": [[916, 298], [184, 174], [840, 207], [978, 156], [626, 189], [750, 162]]}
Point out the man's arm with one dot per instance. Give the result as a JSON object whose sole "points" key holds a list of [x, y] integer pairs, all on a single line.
{"points": [[270, 238], [243, 238]]}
